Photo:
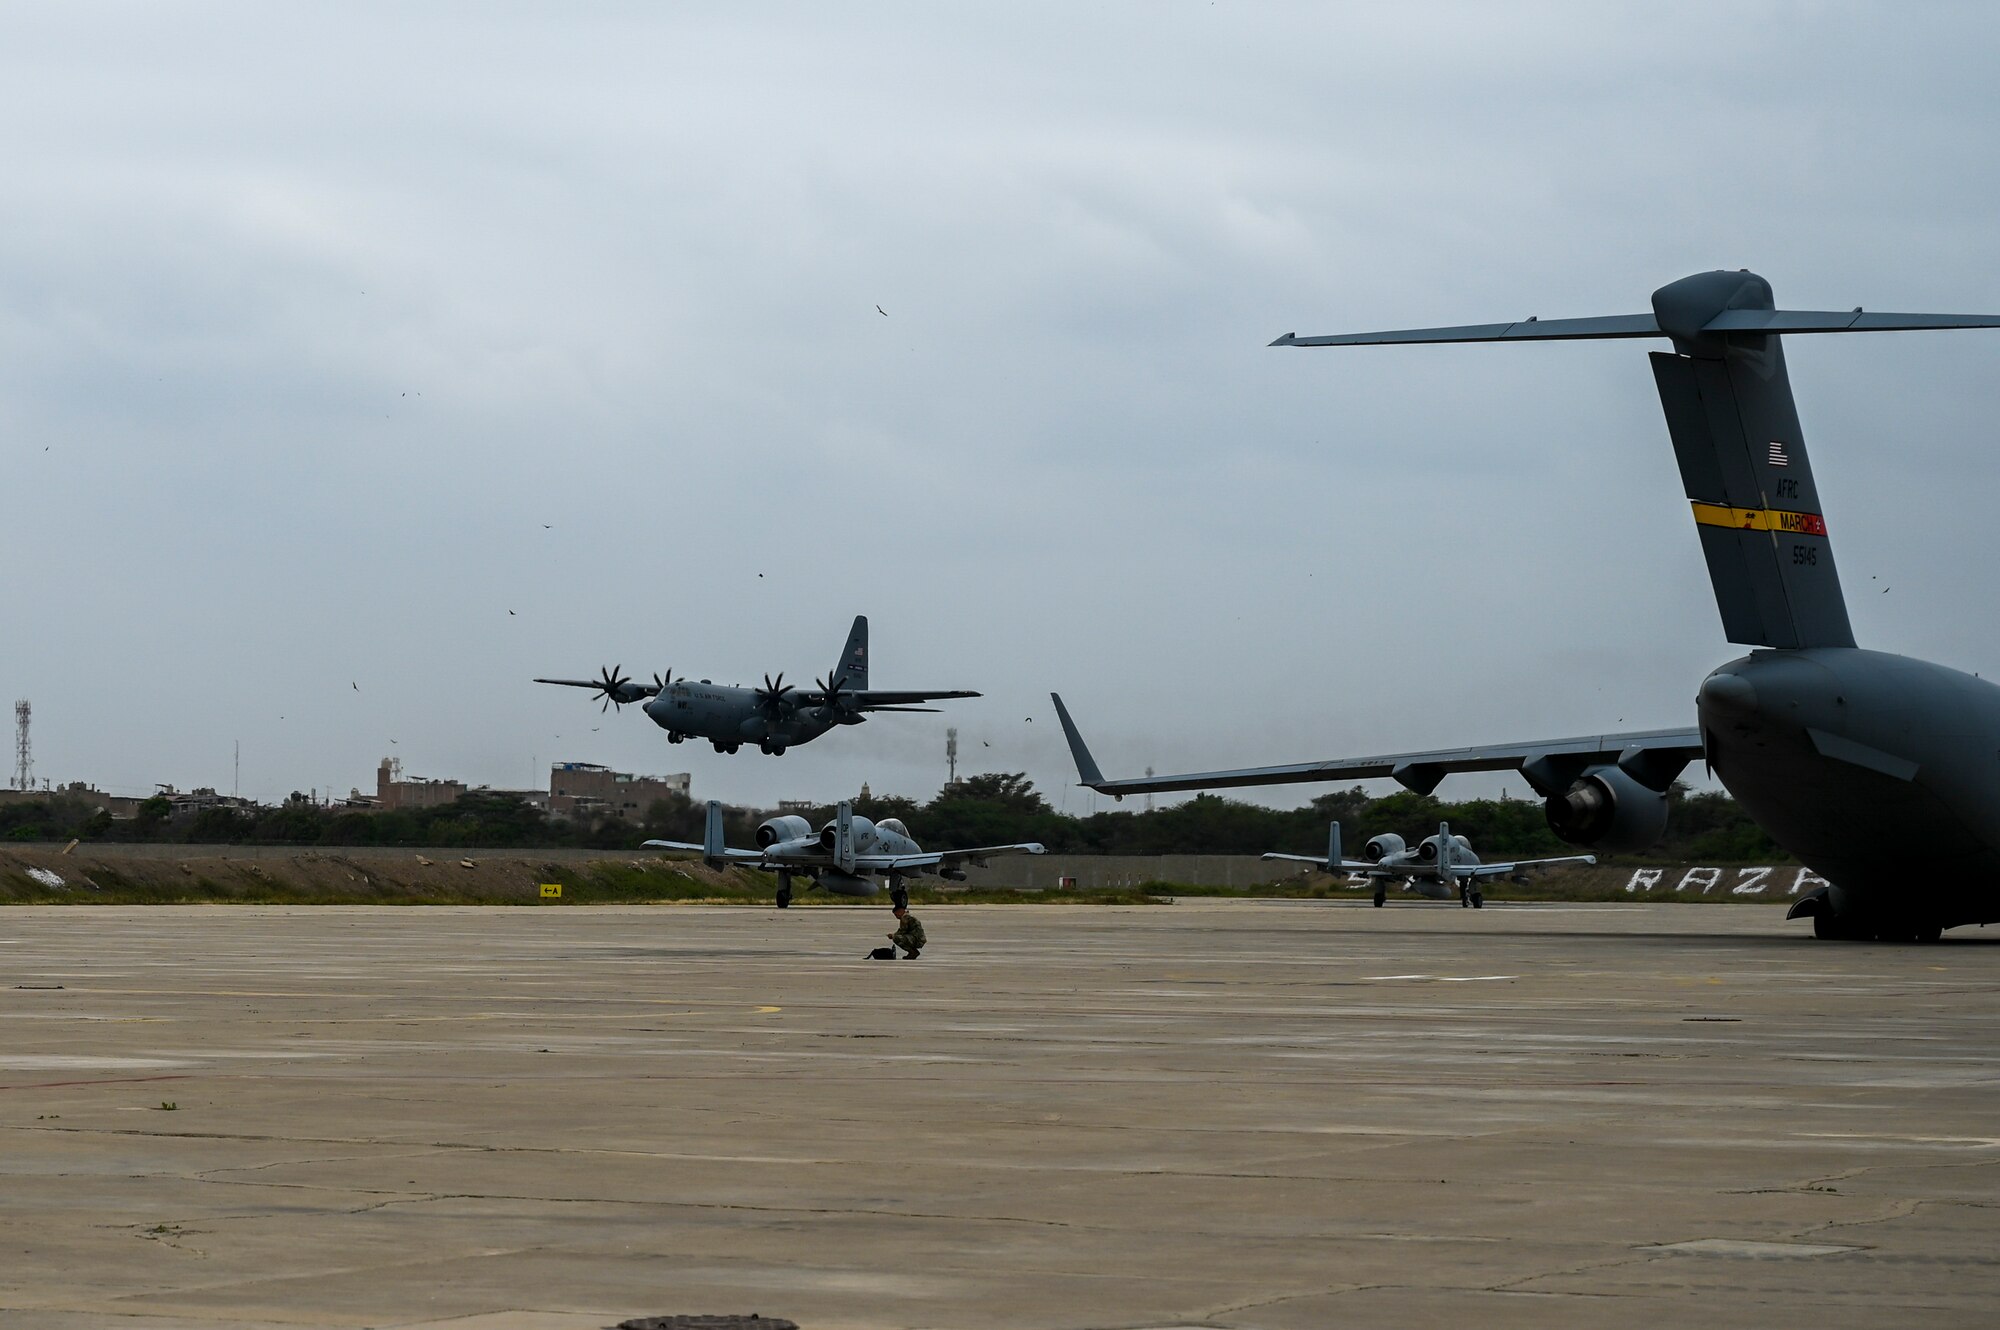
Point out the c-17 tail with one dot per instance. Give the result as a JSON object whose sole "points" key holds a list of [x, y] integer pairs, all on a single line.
{"points": [[1736, 435]]}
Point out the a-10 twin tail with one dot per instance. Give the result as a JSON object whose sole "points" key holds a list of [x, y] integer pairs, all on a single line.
{"points": [[774, 717]]}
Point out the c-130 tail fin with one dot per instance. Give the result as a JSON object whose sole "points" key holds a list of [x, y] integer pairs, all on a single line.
{"points": [[1736, 435], [852, 668]]}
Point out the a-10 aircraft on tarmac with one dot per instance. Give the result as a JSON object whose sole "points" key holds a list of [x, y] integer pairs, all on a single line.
{"points": [[1879, 772], [1439, 867], [773, 717], [845, 856]]}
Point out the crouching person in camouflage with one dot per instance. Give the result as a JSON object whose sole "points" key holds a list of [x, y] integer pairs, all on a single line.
{"points": [[909, 934]]}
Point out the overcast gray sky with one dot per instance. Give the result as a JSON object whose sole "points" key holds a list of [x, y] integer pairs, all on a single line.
{"points": [[330, 334]]}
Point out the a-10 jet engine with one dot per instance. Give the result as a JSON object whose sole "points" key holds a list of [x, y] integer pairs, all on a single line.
{"points": [[1427, 851], [794, 835], [1386, 846]]}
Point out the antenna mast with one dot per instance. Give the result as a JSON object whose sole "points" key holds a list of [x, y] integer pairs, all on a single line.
{"points": [[951, 757], [24, 763]]}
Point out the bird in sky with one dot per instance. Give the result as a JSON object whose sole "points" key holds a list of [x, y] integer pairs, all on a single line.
{"points": [[883, 312], [355, 686]]}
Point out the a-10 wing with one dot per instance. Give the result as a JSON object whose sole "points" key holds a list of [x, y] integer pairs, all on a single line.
{"points": [[1344, 866], [944, 859], [1429, 870], [733, 856], [1519, 865], [1656, 756]]}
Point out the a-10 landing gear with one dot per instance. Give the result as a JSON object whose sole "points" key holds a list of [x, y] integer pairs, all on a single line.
{"points": [[1468, 894], [1381, 894], [784, 891], [899, 897]]}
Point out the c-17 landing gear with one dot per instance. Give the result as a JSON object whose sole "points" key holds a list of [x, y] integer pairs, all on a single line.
{"points": [[1848, 926]]}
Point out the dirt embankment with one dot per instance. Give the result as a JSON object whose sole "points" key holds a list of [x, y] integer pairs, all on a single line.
{"points": [[167, 874]]}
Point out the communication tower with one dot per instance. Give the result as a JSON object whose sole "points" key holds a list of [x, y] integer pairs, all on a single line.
{"points": [[1149, 798], [24, 763], [950, 757]]}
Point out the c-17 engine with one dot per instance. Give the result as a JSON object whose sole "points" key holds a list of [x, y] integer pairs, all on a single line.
{"points": [[780, 829], [1606, 809]]}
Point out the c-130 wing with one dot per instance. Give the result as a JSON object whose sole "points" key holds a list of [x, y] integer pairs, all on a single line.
{"points": [[1654, 757]]}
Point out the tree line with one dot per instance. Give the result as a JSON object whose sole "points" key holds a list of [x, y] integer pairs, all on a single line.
{"points": [[991, 809]]}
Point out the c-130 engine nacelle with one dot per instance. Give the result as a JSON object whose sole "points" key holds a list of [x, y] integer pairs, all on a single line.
{"points": [[1608, 810], [780, 829]]}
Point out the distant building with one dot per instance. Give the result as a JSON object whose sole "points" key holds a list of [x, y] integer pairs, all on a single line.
{"points": [[202, 799], [392, 791], [585, 788], [117, 805]]}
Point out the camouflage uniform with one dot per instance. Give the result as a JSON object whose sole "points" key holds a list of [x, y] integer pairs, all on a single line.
{"points": [[909, 935]]}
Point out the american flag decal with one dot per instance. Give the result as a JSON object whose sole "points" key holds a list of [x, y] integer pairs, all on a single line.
{"points": [[1777, 455]]}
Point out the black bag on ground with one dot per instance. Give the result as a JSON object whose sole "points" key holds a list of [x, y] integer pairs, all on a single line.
{"points": [[882, 954]]}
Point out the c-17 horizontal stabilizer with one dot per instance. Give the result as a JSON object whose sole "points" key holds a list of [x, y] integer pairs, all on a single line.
{"points": [[1735, 430]]}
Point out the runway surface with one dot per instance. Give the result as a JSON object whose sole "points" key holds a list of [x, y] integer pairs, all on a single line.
{"points": [[1229, 1114]]}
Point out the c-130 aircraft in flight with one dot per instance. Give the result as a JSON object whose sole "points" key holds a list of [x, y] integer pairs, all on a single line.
{"points": [[1879, 772], [773, 717]]}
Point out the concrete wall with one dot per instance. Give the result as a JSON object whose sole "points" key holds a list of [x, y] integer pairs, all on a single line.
{"points": [[114, 850], [1026, 870], [1128, 870]]}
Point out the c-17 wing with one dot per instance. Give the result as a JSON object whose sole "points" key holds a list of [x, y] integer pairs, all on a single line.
{"points": [[1652, 757], [942, 859]]}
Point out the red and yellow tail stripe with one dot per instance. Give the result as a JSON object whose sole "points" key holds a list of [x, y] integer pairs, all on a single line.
{"points": [[1759, 519]]}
